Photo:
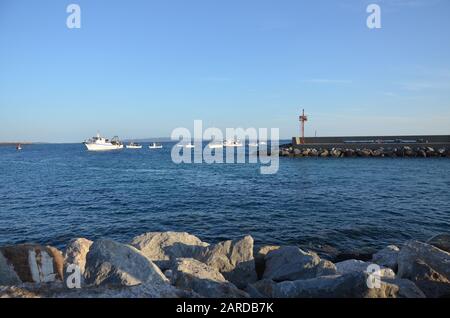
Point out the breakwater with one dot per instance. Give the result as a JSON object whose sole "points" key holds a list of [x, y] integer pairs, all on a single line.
{"points": [[365, 150]]}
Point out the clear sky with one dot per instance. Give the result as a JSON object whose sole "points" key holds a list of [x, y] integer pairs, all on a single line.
{"points": [[141, 68]]}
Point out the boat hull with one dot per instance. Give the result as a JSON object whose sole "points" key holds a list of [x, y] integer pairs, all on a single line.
{"points": [[102, 147], [134, 147]]}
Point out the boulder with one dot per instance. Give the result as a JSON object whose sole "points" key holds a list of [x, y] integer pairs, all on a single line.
{"points": [[324, 153], [387, 257], [260, 254], [427, 266], [76, 252], [196, 276], [351, 285], [261, 289], [112, 263], [8, 276], [32, 263], [291, 263], [164, 247], [353, 265], [441, 241], [234, 260]]}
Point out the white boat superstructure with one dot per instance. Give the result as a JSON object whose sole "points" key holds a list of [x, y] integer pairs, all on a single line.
{"points": [[99, 143], [232, 143], [155, 145]]}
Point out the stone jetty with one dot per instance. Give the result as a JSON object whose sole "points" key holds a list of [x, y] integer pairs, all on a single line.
{"points": [[336, 152], [180, 265]]}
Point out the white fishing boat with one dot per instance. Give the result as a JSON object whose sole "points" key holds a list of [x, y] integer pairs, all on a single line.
{"points": [[155, 145], [232, 143], [215, 145], [133, 145], [99, 143]]}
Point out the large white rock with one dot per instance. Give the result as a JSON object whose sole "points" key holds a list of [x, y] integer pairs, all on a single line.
{"points": [[387, 257], [234, 260], [34, 263], [353, 265], [291, 263], [164, 247], [112, 263], [196, 276], [76, 252], [427, 266]]}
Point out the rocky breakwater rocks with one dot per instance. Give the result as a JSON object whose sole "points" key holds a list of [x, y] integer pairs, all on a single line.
{"points": [[173, 264], [405, 151]]}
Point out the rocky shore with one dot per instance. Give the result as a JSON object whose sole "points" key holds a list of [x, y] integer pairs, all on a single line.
{"points": [[174, 264], [390, 152]]}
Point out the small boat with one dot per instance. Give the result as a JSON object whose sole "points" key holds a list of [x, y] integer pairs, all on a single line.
{"points": [[155, 145], [99, 143], [253, 144], [133, 145], [18, 147], [232, 143], [215, 145]]}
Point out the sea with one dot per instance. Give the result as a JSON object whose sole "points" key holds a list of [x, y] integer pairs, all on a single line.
{"points": [[51, 193]]}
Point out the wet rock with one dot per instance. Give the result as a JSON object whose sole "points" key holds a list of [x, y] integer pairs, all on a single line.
{"points": [[354, 265], [234, 260], [196, 276], [324, 153], [336, 153], [297, 152], [377, 153], [114, 264], [260, 254], [349, 153], [76, 252], [387, 257], [291, 263], [8, 276], [33, 263], [164, 247], [313, 153], [427, 266], [441, 241]]}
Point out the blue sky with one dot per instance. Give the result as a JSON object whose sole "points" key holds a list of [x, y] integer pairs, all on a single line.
{"points": [[141, 68]]}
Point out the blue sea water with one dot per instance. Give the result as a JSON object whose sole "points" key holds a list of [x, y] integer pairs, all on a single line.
{"points": [[52, 193]]}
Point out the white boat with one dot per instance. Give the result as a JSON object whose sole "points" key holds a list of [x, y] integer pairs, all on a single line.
{"points": [[215, 145], [133, 145], [253, 144], [155, 145], [18, 147], [99, 143], [232, 143]]}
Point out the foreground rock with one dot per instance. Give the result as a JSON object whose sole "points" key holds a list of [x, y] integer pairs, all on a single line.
{"points": [[353, 265], [164, 247], [387, 257], [30, 263], [112, 263], [234, 260], [8, 276], [291, 263], [427, 266], [351, 285], [75, 254], [260, 262], [193, 275], [441, 241]]}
